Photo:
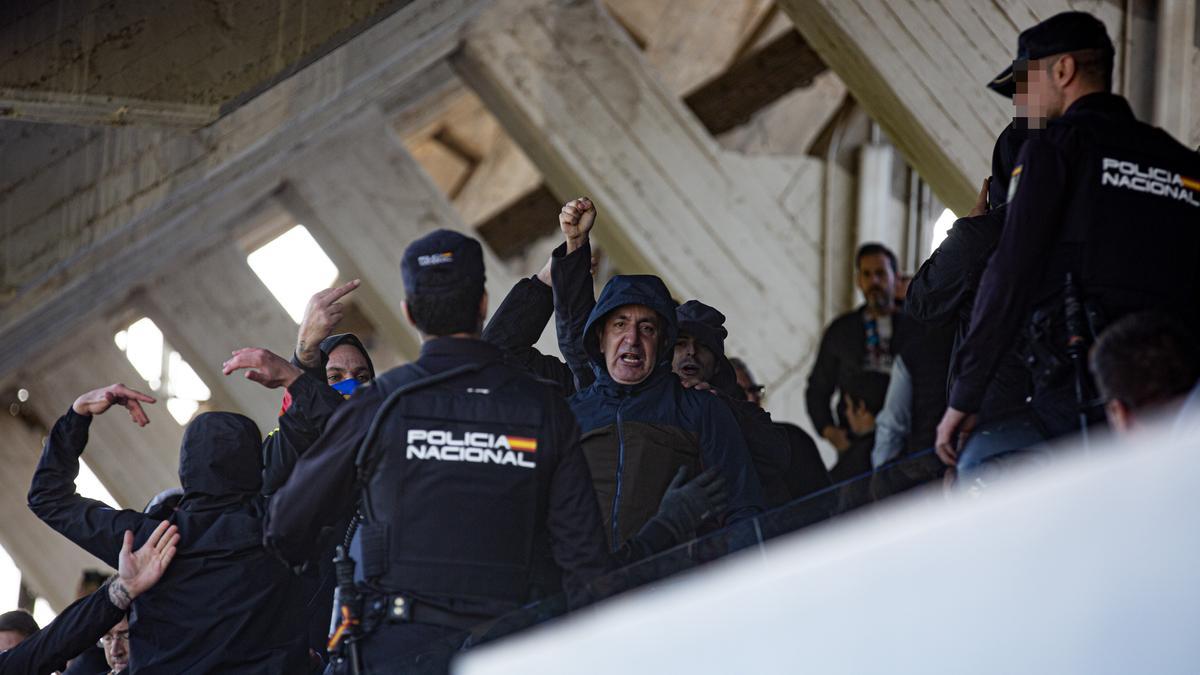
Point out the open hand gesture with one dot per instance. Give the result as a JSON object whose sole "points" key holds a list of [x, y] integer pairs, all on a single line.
{"points": [[262, 366], [576, 220], [320, 316], [96, 401], [138, 570]]}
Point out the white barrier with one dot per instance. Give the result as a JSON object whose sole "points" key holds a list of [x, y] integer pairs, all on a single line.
{"points": [[1090, 565]]}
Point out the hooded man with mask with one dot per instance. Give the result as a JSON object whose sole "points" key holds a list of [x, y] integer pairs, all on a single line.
{"points": [[311, 396], [226, 605]]}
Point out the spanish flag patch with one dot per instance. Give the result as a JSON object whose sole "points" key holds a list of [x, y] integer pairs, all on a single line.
{"points": [[522, 444]]}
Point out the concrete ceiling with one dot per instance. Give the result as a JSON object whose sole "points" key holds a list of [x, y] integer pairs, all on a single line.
{"points": [[162, 62]]}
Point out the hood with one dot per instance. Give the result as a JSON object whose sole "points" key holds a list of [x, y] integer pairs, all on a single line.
{"points": [[631, 289], [221, 456], [706, 325], [334, 341]]}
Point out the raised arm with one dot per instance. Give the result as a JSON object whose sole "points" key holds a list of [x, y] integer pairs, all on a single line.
{"points": [[92, 525], [574, 295], [312, 403], [517, 324]]}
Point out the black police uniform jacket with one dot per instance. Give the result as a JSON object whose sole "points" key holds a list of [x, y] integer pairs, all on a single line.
{"points": [[225, 605], [1101, 195], [481, 495]]}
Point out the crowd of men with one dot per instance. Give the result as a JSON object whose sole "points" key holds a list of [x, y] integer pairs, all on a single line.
{"points": [[414, 505]]}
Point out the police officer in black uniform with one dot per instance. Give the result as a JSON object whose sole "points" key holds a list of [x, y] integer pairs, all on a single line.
{"points": [[1095, 194], [475, 495]]}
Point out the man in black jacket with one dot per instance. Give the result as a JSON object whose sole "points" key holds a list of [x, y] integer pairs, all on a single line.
{"points": [[858, 341], [84, 621], [1068, 260], [943, 292], [476, 497], [227, 605]]}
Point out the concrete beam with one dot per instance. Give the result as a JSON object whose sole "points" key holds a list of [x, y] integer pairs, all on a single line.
{"points": [[573, 92], [920, 69], [103, 110], [123, 204], [157, 62]]}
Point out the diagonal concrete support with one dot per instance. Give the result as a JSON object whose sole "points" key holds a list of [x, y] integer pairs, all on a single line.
{"points": [[920, 68], [133, 463], [49, 564], [364, 198], [213, 306], [572, 90]]}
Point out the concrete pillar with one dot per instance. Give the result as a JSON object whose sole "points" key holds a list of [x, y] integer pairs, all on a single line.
{"points": [[212, 306], [364, 199], [134, 463], [573, 91], [920, 70], [50, 564], [1176, 71]]}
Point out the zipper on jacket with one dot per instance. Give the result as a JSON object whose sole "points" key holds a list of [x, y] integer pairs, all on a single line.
{"points": [[620, 469]]}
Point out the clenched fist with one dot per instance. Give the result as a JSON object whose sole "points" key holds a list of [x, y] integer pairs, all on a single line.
{"points": [[320, 316], [576, 220]]}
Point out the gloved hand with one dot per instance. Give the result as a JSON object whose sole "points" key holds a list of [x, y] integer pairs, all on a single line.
{"points": [[685, 506]]}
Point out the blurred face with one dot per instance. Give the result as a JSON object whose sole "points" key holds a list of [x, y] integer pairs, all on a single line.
{"points": [[116, 646], [693, 362], [877, 281], [9, 639], [1038, 99], [629, 342], [347, 363]]}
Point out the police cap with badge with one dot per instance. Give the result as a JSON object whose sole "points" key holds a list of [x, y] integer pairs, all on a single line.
{"points": [[1061, 33], [442, 261]]}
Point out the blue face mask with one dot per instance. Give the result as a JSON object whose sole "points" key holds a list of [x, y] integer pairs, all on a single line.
{"points": [[346, 386]]}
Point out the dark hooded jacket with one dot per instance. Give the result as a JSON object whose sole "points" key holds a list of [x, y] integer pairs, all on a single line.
{"points": [[767, 442], [225, 605], [308, 405], [635, 437]]}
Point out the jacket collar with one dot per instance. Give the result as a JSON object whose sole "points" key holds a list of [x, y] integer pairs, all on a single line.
{"points": [[1102, 102], [459, 349], [609, 387]]}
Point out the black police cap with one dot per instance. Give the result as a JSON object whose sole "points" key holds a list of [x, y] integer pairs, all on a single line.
{"points": [[441, 261], [1061, 33]]}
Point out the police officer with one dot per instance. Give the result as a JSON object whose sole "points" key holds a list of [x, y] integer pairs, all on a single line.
{"points": [[475, 494], [1095, 194]]}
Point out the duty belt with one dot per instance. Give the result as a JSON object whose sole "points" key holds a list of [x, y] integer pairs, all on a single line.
{"points": [[403, 609]]}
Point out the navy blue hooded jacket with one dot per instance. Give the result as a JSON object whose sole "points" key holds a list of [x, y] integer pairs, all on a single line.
{"points": [[635, 437]]}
